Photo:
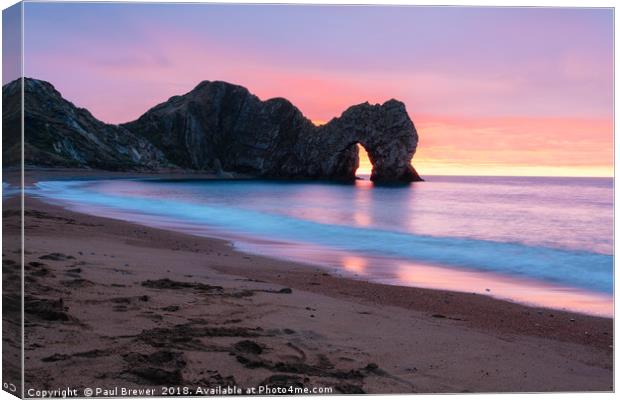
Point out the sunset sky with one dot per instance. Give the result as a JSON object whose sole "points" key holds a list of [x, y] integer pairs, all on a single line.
{"points": [[492, 91]]}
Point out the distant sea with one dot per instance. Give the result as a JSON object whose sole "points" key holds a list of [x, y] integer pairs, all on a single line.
{"points": [[543, 241]]}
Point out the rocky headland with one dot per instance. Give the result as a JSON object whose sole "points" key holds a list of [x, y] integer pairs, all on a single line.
{"points": [[217, 127]]}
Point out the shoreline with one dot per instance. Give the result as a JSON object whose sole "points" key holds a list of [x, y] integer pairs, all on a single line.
{"points": [[470, 305], [35, 174], [538, 294], [239, 244]]}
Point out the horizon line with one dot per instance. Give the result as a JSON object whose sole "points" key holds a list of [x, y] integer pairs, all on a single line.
{"points": [[509, 176]]}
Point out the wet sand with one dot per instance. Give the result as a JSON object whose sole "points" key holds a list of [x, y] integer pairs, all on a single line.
{"points": [[109, 303]]}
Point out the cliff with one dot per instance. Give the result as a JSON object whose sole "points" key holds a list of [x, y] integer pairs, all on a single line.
{"points": [[56, 133], [217, 127]]}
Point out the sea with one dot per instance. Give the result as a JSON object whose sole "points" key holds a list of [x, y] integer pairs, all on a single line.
{"points": [[535, 240]]}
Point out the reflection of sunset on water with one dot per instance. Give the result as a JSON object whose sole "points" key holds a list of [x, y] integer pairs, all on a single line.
{"points": [[361, 218], [361, 203], [364, 183]]}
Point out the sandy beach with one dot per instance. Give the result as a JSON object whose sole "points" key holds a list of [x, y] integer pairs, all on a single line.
{"points": [[109, 303]]}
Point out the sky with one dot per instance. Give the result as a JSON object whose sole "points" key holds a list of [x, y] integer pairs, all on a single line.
{"points": [[491, 91]]}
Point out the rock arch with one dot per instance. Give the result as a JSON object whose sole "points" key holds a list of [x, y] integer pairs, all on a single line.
{"points": [[387, 134]]}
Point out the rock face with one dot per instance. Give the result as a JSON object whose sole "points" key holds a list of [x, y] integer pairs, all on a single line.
{"points": [[224, 127], [385, 131], [217, 127], [61, 135]]}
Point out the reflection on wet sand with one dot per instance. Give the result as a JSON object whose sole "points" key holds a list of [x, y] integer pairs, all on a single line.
{"points": [[524, 291], [398, 272], [354, 264]]}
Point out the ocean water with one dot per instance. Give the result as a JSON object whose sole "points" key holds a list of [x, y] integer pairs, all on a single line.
{"points": [[545, 241]]}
